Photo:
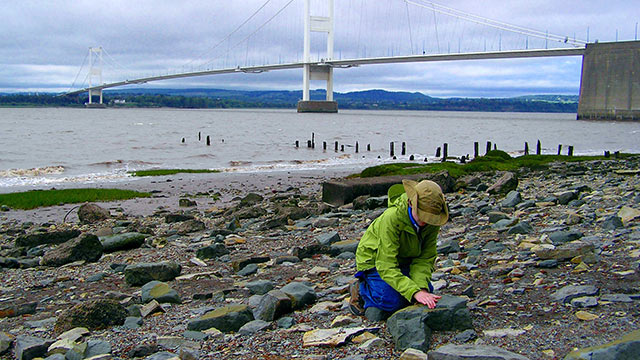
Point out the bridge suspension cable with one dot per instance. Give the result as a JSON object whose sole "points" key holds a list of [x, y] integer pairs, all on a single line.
{"points": [[230, 34], [494, 23], [79, 71], [254, 32]]}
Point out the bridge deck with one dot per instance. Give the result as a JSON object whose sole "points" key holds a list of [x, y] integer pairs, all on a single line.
{"points": [[352, 63]]}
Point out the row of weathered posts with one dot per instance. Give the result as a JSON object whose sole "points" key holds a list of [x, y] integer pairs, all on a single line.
{"points": [[441, 152]]}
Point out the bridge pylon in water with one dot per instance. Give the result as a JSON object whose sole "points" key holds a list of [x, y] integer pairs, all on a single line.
{"points": [[317, 71], [95, 70]]}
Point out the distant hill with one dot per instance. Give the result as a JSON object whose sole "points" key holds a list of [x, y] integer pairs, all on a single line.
{"points": [[367, 99]]}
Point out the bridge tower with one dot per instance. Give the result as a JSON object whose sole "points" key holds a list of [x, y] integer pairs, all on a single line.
{"points": [[321, 70], [95, 70]]}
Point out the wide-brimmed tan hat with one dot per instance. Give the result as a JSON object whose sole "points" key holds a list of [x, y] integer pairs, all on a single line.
{"points": [[428, 198]]}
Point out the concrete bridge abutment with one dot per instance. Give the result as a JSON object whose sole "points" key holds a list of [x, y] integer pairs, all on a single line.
{"points": [[610, 83]]}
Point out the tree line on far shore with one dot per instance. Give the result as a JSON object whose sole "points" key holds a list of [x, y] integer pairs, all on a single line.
{"points": [[371, 99]]}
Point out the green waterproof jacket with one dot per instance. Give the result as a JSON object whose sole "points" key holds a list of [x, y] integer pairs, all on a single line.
{"points": [[391, 241]]}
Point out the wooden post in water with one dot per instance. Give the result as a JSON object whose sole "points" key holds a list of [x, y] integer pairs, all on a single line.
{"points": [[183, 140], [475, 149], [297, 143], [309, 144], [607, 154], [199, 136], [570, 152], [526, 148], [495, 146], [616, 154], [336, 147], [357, 147], [391, 151], [488, 147], [559, 148], [412, 157], [208, 141], [324, 145], [438, 152], [368, 147], [313, 140], [445, 152], [538, 148], [404, 148], [342, 148]]}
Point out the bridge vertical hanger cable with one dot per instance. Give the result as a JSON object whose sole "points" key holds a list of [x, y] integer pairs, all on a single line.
{"points": [[435, 24], [258, 29], [495, 23], [230, 34], [79, 71], [409, 22]]}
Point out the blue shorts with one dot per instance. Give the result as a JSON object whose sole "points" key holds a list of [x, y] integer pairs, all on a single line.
{"points": [[377, 293]]}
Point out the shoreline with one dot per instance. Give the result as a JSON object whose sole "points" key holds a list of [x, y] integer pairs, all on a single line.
{"points": [[167, 190]]}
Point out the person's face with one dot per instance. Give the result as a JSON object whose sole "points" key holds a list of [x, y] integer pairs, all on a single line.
{"points": [[414, 213]]}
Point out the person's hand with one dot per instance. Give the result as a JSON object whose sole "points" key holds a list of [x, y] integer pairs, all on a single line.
{"points": [[426, 298]]}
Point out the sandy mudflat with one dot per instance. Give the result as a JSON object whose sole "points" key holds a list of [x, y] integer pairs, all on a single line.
{"points": [[167, 190]]}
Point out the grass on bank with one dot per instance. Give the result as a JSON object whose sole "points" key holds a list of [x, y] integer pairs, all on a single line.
{"points": [[38, 198], [495, 160], [164, 172]]}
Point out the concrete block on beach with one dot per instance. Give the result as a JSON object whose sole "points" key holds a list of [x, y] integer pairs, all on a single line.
{"points": [[340, 192]]}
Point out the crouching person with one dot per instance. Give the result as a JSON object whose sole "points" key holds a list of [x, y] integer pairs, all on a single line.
{"points": [[396, 255]]}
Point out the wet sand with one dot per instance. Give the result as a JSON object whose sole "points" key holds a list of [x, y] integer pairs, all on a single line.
{"points": [[167, 190]]}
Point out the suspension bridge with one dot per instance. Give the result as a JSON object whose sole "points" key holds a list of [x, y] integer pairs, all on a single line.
{"points": [[610, 82]]}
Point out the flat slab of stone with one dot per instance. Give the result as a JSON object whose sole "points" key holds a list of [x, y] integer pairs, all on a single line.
{"points": [[472, 352], [340, 192], [626, 348]]}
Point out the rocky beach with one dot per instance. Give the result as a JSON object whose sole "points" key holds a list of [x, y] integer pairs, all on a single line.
{"points": [[535, 264]]}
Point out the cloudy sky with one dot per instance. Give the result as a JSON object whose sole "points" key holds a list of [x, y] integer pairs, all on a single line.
{"points": [[44, 43]]}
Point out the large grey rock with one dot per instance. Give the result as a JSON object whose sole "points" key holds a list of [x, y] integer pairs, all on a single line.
{"points": [[92, 213], [97, 347], [328, 238], [447, 246], [140, 274], [565, 197], [569, 292], [472, 352], [508, 182], [86, 247], [495, 216], [94, 314], [30, 347], [343, 246], [5, 342], [159, 291], [126, 241], [612, 223], [566, 251], [226, 319], [40, 238], [521, 227], [177, 217], [163, 355], [212, 251], [626, 348], [272, 306], [260, 287], [301, 294], [253, 327], [251, 199], [409, 330], [562, 237], [189, 226], [412, 326], [512, 199]]}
